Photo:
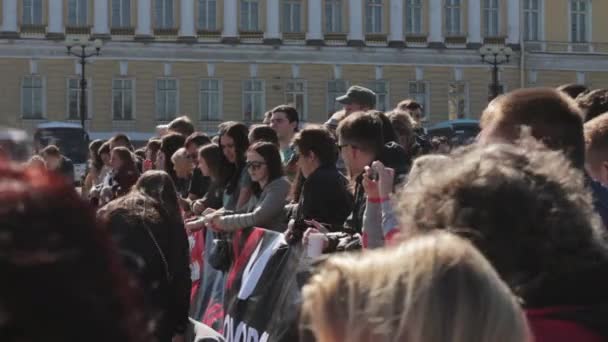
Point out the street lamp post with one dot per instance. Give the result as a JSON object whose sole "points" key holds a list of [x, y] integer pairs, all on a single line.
{"points": [[495, 56], [83, 56]]}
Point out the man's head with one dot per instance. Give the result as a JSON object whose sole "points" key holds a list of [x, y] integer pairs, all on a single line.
{"points": [[596, 143], [357, 98], [52, 157], [182, 125], [360, 140], [521, 205], [573, 90], [403, 124], [120, 140], [284, 121], [413, 108], [194, 142], [552, 117], [593, 103]]}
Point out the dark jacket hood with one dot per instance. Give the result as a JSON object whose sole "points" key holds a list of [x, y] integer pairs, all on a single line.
{"points": [[581, 294], [396, 157]]}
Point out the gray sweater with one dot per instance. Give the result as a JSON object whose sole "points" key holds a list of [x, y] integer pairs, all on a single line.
{"points": [[265, 211]]}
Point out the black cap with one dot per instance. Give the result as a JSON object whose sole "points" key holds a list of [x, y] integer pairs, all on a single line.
{"points": [[359, 95]]}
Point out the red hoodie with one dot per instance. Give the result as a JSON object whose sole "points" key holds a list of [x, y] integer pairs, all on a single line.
{"points": [[547, 326]]}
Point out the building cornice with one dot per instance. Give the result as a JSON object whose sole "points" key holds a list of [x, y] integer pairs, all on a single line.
{"points": [[332, 55]]}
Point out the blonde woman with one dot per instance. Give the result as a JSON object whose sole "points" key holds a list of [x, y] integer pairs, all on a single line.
{"points": [[433, 288]]}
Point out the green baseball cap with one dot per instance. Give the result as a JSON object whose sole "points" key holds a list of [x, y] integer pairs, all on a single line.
{"points": [[359, 95]]}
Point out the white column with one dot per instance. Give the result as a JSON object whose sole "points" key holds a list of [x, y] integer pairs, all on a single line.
{"points": [[102, 22], [273, 31], [315, 20], [436, 22], [55, 18], [230, 31], [396, 36], [9, 18], [144, 20], [187, 19], [355, 17], [474, 22], [513, 22]]}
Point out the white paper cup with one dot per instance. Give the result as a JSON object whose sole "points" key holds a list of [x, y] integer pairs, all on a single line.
{"points": [[315, 244]]}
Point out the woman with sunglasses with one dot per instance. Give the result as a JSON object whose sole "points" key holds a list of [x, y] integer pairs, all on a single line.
{"points": [[270, 189]]}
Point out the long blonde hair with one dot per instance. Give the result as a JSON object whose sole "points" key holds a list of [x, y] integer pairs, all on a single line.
{"points": [[433, 288]]}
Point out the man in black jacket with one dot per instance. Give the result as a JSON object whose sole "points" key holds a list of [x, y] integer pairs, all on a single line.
{"points": [[57, 162], [361, 142]]}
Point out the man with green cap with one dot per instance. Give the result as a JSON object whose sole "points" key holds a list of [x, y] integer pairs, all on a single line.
{"points": [[357, 98]]}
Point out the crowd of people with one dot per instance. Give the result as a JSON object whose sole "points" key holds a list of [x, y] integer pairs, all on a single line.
{"points": [[500, 240]]}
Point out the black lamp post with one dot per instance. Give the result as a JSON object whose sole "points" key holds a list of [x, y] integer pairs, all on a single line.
{"points": [[495, 56], [82, 55]]}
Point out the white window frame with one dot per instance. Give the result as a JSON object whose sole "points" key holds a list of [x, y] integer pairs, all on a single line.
{"points": [[25, 116], [250, 16], [374, 20], [491, 18], [164, 20], [373, 85], [133, 99], [451, 8], [331, 96], [289, 97], [247, 93], [465, 96], [205, 15], [588, 21], [220, 99], [124, 19], [414, 17], [158, 91], [335, 24], [295, 8], [77, 21], [540, 30], [29, 16], [89, 96], [426, 104]]}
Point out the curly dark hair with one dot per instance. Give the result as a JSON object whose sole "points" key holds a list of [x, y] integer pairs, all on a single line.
{"points": [[61, 271], [524, 207], [573, 90], [593, 103]]}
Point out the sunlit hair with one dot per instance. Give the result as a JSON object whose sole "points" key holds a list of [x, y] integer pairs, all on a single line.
{"points": [[502, 193], [433, 288], [551, 116], [180, 155]]}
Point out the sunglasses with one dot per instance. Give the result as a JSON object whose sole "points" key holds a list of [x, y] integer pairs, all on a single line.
{"points": [[255, 165]]}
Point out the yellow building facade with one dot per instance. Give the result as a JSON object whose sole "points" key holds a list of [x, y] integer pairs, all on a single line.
{"points": [[218, 60]]}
